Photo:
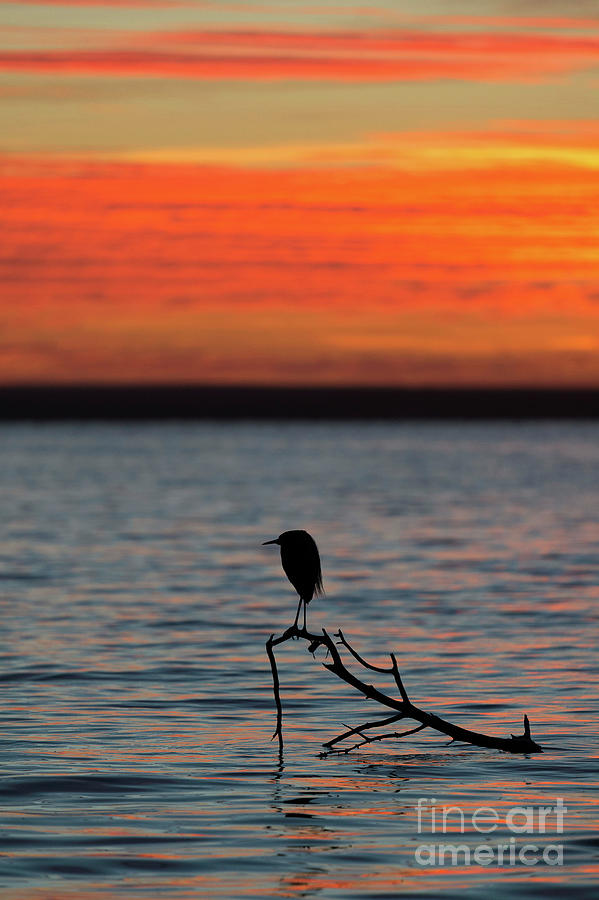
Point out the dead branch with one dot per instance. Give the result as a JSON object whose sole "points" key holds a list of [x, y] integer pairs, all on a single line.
{"points": [[379, 723], [371, 740], [403, 706]]}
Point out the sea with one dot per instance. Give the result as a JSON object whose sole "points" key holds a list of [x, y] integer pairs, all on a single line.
{"points": [[137, 698]]}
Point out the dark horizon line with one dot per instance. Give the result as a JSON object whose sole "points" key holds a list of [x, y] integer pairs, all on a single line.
{"points": [[85, 402], [288, 386]]}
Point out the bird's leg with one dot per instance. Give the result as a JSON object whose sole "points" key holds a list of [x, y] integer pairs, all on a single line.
{"points": [[299, 606], [305, 608]]}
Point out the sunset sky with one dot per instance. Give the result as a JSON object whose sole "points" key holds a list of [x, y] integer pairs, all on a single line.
{"points": [[314, 192]]}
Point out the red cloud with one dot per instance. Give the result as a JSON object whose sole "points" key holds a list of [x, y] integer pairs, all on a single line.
{"points": [[373, 56]]}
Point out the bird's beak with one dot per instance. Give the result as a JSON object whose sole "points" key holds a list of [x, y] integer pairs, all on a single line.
{"points": [[264, 543]]}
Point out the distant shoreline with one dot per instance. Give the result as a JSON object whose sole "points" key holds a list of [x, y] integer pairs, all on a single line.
{"points": [[188, 402]]}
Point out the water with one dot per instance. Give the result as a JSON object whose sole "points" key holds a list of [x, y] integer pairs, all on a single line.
{"points": [[137, 700]]}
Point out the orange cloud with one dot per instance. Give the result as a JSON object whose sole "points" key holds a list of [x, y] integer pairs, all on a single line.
{"points": [[331, 274], [374, 56], [516, 143]]}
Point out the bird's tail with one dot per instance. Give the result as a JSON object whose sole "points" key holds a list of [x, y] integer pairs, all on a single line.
{"points": [[318, 588], [317, 592]]}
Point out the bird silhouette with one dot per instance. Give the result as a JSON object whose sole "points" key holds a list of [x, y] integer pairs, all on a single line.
{"points": [[301, 564]]}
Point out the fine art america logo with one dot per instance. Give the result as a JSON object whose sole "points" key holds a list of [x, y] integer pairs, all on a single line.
{"points": [[519, 820]]}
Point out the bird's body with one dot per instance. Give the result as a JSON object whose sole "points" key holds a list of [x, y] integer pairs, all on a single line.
{"points": [[301, 563]]}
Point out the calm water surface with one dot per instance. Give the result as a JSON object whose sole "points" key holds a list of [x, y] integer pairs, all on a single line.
{"points": [[137, 700]]}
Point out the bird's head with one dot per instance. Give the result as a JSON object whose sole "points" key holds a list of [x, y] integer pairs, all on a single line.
{"points": [[290, 538]]}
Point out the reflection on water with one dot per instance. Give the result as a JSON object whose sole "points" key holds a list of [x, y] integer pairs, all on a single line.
{"points": [[137, 703]]}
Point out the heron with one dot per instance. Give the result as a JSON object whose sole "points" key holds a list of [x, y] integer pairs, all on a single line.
{"points": [[301, 564]]}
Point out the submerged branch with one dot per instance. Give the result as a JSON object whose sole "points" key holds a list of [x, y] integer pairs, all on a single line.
{"points": [[276, 688], [365, 727], [404, 708], [371, 740]]}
